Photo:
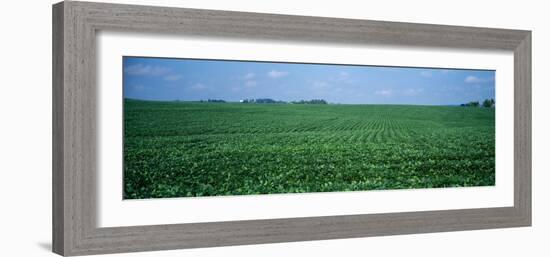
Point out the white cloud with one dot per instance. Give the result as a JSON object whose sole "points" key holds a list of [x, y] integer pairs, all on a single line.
{"points": [[173, 77], [251, 83], [248, 79], [277, 74], [385, 92], [413, 91], [138, 87], [198, 86], [249, 75], [472, 79], [146, 70], [320, 84], [342, 77], [426, 74]]}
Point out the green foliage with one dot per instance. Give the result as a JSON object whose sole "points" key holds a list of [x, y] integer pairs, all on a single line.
{"points": [[178, 149], [312, 101], [471, 104], [489, 103]]}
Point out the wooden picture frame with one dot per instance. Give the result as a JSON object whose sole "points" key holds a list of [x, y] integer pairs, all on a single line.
{"points": [[74, 130]]}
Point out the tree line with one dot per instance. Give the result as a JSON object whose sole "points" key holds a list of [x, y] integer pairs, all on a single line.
{"points": [[487, 103], [271, 101]]}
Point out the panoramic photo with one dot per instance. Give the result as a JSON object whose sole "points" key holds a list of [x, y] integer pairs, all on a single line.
{"points": [[195, 127]]}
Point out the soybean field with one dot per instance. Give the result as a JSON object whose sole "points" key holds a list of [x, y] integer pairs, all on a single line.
{"points": [[188, 149]]}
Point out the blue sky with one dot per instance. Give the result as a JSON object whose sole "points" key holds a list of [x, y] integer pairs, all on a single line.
{"points": [[192, 80]]}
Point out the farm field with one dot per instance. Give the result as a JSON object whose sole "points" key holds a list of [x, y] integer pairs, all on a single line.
{"points": [[180, 149]]}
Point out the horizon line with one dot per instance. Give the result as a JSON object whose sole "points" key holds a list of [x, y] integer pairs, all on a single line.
{"points": [[286, 102]]}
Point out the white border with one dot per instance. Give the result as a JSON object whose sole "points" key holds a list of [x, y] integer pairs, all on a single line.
{"points": [[113, 211]]}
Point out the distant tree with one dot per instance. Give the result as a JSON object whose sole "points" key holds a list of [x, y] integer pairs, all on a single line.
{"points": [[471, 104], [272, 101], [265, 101], [262, 101], [489, 103], [215, 101], [312, 101], [318, 101]]}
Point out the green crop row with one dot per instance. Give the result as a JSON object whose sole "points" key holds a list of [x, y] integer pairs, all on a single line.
{"points": [[177, 149]]}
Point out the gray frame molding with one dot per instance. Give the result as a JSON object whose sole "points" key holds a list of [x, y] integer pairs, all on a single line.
{"points": [[74, 111]]}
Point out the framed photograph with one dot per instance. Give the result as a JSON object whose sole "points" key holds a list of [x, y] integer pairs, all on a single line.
{"points": [[182, 128]]}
